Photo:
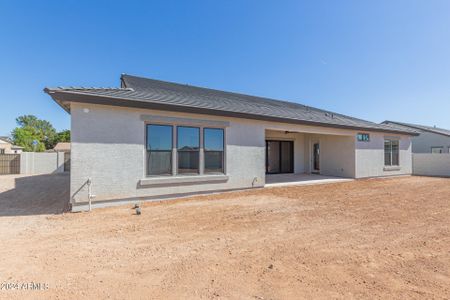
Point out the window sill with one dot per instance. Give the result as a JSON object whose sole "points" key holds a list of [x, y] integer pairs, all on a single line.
{"points": [[182, 179], [392, 168]]}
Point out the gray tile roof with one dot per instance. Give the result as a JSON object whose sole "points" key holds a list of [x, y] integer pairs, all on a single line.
{"points": [[419, 128], [144, 92]]}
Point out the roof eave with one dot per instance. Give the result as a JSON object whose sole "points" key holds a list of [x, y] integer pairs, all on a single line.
{"points": [[62, 97], [52, 93]]}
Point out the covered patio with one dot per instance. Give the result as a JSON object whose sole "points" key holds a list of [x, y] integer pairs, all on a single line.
{"points": [[308, 156]]}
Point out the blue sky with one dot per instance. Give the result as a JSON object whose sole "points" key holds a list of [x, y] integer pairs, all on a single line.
{"points": [[374, 60]]}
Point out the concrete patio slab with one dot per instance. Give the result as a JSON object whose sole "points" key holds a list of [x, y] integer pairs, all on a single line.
{"points": [[276, 180]]}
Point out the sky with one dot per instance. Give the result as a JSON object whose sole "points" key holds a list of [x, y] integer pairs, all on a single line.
{"points": [[375, 60]]}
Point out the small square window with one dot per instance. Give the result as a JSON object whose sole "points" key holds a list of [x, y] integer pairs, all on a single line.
{"points": [[363, 137]]}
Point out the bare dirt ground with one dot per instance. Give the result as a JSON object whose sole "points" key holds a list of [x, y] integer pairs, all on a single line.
{"points": [[383, 238]]}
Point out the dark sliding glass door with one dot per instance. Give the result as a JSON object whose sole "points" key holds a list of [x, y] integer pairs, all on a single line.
{"points": [[279, 157]]}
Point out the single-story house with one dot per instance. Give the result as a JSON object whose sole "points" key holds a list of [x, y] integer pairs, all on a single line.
{"points": [[6, 146], [151, 139], [431, 139]]}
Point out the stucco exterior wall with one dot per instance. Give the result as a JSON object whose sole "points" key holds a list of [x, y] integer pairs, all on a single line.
{"points": [[427, 164], [108, 146], [426, 140], [370, 156], [337, 154]]}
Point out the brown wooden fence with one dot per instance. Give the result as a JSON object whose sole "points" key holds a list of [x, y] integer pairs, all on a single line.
{"points": [[9, 164]]}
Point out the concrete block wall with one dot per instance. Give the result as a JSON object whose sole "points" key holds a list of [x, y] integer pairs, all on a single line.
{"points": [[41, 162], [427, 164]]}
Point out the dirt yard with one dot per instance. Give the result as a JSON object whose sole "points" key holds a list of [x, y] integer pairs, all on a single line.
{"points": [[383, 238]]}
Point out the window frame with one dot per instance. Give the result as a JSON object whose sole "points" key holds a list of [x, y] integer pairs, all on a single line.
{"points": [[178, 150], [183, 122], [205, 151], [391, 152], [147, 150]]}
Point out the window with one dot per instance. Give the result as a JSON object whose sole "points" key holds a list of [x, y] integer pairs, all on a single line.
{"points": [[2, 151], [175, 150], [159, 150], [391, 152], [213, 149], [363, 137], [188, 141], [437, 150]]}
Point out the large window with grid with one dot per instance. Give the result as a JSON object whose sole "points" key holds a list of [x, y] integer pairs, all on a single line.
{"points": [[391, 152], [184, 150]]}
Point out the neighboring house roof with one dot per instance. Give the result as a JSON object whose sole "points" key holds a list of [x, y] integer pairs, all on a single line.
{"points": [[62, 147], [5, 139], [155, 94], [419, 128]]}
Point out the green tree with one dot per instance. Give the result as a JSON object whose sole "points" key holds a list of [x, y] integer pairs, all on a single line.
{"points": [[62, 137], [25, 137], [34, 134]]}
